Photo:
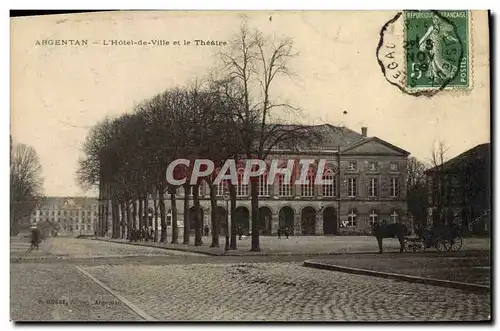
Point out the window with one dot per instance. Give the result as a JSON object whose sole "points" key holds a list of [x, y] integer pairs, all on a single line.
{"points": [[221, 187], [169, 217], [351, 166], [351, 220], [394, 217], [263, 185], [394, 167], [191, 190], [352, 184], [372, 166], [202, 189], [307, 190], [284, 188], [373, 187], [329, 190], [373, 217], [76, 227], [241, 188], [394, 187]]}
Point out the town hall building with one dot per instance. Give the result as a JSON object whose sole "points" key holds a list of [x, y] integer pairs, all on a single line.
{"points": [[367, 183]]}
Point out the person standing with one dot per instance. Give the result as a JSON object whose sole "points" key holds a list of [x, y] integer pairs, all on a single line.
{"points": [[35, 236]]}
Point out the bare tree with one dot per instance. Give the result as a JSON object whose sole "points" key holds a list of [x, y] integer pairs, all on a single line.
{"points": [[26, 183], [439, 181], [255, 63], [417, 196]]}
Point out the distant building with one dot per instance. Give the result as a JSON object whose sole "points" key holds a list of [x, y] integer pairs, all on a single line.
{"points": [[369, 184], [460, 190], [68, 215]]}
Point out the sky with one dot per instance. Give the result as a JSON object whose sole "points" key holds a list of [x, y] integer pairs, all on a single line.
{"points": [[59, 92]]}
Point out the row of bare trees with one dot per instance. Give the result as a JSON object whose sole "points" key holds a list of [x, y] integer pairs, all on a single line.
{"points": [[26, 183], [230, 115]]}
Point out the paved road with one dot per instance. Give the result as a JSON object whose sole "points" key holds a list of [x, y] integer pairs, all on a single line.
{"points": [[169, 285], [469, 266]]}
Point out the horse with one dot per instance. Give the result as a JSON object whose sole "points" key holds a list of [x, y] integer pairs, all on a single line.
{"points": [[389, 230]]}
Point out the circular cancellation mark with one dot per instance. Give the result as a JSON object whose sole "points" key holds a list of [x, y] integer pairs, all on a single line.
{"points": [[421, 52]]}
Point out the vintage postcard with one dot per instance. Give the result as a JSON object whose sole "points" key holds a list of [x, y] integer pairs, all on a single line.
{"points": [[250, 166]]}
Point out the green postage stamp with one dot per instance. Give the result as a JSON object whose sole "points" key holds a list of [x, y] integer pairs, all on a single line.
{"points": [[436, 44], [424, 52]]}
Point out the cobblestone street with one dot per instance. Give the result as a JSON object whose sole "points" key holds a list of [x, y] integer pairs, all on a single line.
{"points": [[173, 286]]}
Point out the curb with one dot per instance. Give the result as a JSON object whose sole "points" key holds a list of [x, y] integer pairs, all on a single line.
{"points": [[223, 254], [245, 254], [160, 247], [411, 279]]}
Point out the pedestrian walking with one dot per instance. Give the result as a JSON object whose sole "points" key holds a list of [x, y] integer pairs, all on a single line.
{"points": [[35, 237]]}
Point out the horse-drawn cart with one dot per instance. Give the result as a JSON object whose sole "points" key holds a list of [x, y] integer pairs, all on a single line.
{"points": [[446, 238]]}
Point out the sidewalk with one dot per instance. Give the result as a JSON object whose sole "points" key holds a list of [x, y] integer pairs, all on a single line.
{"points": [[298, 245], [468, 270]]}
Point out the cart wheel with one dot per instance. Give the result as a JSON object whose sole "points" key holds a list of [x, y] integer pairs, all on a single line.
{"points": [[441, 245], [419, 247], [407, 245], [454, 245]]}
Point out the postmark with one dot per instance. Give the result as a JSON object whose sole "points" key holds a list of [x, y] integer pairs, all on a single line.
{"points": [[424, 52]]}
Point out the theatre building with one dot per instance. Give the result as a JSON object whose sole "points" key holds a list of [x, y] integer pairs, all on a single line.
{"points": [[368, 183]]}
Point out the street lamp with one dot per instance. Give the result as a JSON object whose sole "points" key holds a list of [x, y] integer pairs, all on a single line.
{"points": [[226, 198]]}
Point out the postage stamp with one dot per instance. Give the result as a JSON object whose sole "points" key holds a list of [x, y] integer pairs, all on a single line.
{"points": [[436, 49], [423, 52]]}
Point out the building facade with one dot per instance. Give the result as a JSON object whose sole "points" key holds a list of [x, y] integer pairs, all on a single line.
{"points": [[369, 184], [460, 190], [69, 216]]}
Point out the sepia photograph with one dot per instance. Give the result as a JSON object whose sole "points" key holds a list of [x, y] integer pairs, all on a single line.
{"points": [[250, 166]]}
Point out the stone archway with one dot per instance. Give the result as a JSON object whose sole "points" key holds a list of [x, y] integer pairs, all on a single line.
{"points": [[286, 218], [330, 220], [221, 218], [308, 221], [192, 219], [242, 219], [264, 224]]}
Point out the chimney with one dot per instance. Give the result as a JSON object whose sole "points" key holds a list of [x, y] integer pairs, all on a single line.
{"points": [[364, 131]]}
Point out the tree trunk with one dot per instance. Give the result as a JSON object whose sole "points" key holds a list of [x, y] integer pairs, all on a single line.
{"points": [[213, 216], [255, 215], [116, 205], [134, 214], [130, 225], [186, 214], [145, 212], [232, 192], [197, 214], [141, 214], [161, 201], [105, 228], [155, 201], [173, 211], [114, 219], [124, 220]]}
